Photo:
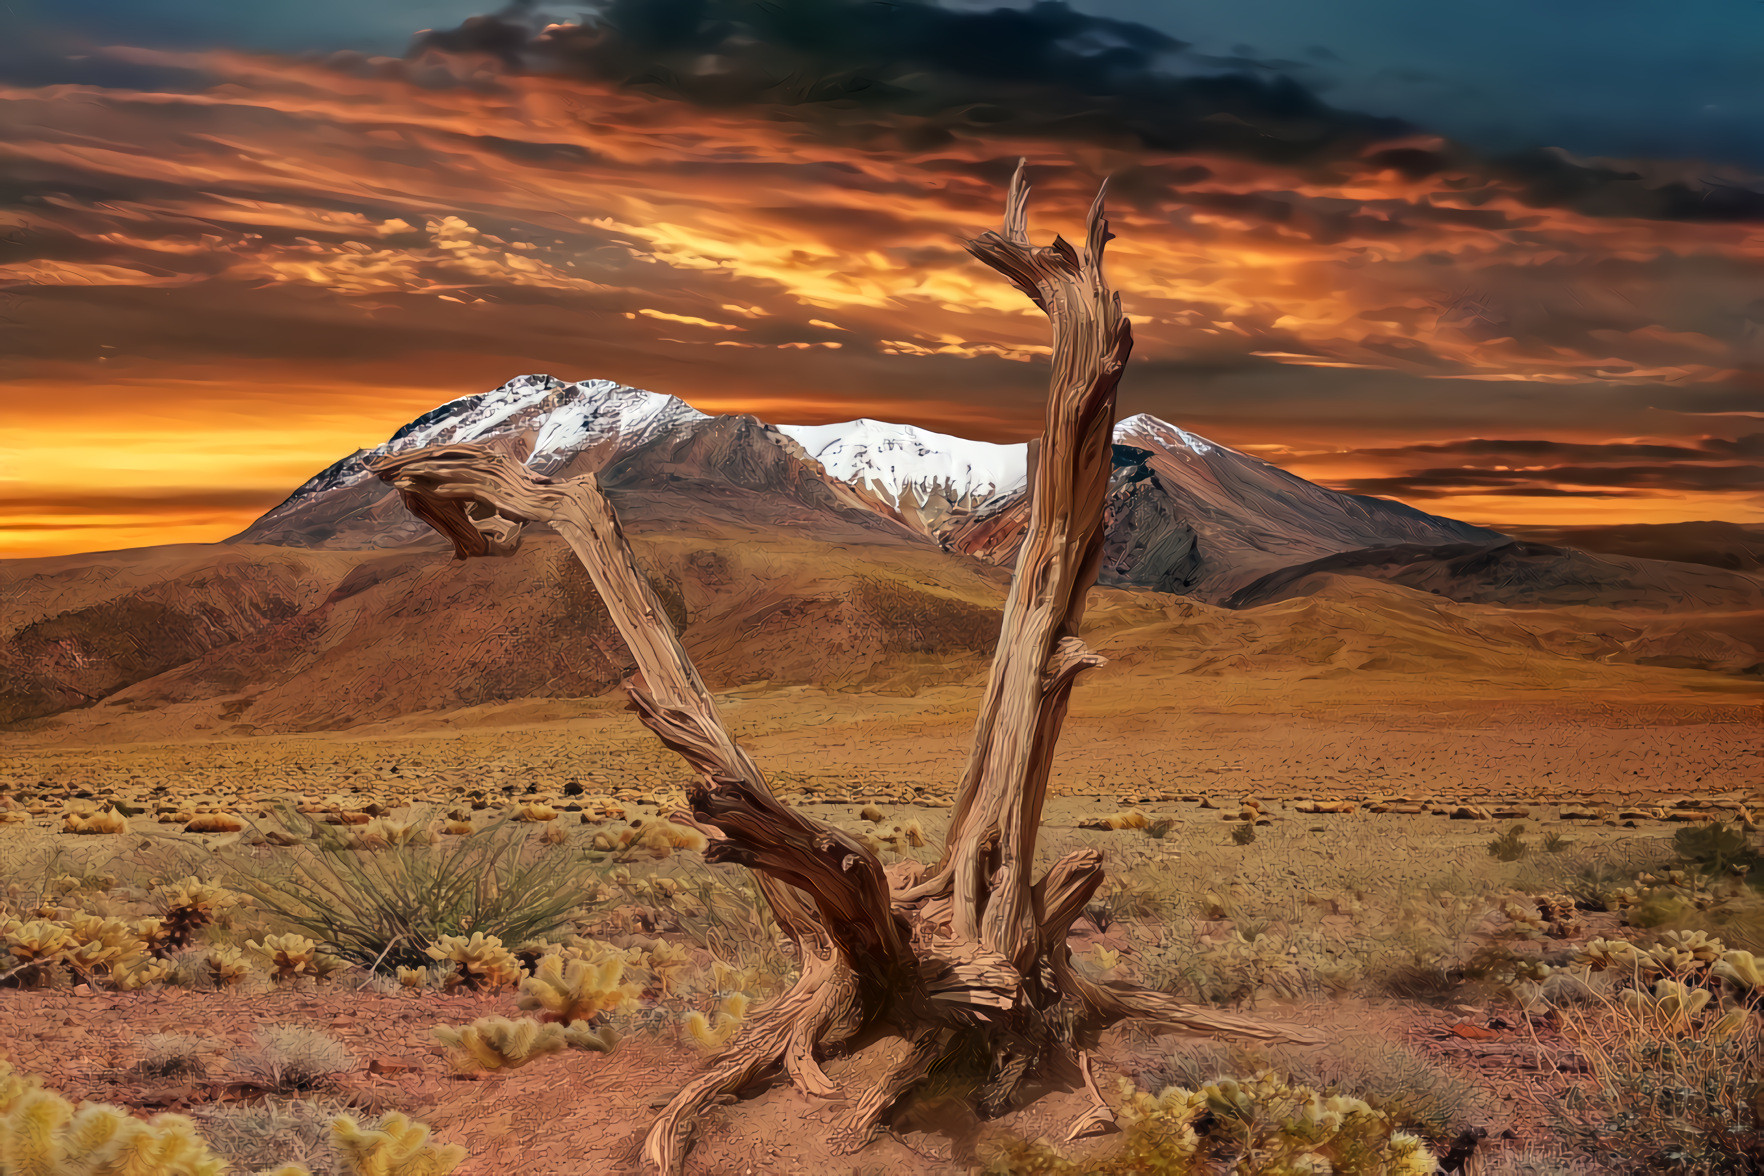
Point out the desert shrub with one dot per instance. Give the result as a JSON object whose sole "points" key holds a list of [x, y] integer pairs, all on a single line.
{"points": [[727, 917], [1716, 848], [226, 966], [42, 1132], [497, 1043], [289, 956], [1417, 1094], [397, 1147], [187, 906], [272, 1131], [33, 949], [102, 946], [1124, 897], [1509, 846], [289, 1058], [480, 961], [315, 1138], [384, 908], [715, 1032], [582, 1035], [1674, 1063], [1263, 1124], [576, 989], [1127, 819], [174, 1055]]}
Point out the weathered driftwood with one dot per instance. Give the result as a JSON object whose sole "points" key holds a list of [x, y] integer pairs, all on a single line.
{"points": [[967, 963]]}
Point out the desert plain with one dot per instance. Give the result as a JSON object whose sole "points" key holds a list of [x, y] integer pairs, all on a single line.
{"points": [[1389, 925]]}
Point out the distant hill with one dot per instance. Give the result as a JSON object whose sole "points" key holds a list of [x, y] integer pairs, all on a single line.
{"points": [[1521, 575], [1735, 546], [861, 556]]}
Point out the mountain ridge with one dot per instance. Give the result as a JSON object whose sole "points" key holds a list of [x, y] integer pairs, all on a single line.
{"points": [[1188, 515]]}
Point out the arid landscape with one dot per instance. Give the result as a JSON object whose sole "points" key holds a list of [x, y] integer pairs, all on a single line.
{"points": [[925, 588], [1412, 796]]}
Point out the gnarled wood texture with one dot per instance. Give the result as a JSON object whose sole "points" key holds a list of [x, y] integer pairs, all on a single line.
{"points": [[969, 963]]}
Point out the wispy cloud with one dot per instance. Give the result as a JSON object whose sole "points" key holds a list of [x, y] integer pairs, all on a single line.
{"points": [[752, 217]]}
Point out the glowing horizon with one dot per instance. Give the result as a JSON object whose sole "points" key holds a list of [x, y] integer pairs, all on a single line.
{"points": [[232, 269]]}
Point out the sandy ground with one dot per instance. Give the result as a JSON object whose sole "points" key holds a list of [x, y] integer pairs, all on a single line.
{"points": [[575, 1113], [1640, 734], [1155, 742]]}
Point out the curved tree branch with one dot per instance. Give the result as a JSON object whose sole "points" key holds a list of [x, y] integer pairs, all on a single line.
{"points": [[480, 500], [990, 849]]}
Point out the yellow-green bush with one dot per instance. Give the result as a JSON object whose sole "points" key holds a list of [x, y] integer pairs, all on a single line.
{"points": [[482, 960], [577, 989], [42, 1134], [289, 955], [398, 1147], [497, 1043], [715, 1034], [1263, 1126], [190, 904]]}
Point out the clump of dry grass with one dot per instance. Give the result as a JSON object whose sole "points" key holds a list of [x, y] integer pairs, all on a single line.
{"points": [[1669, 1085], [290, 1058]]}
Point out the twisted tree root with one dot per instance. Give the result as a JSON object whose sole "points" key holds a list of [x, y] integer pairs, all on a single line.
{"points": [[822, 1008]]}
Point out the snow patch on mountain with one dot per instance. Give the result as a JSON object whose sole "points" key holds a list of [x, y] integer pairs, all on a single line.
{"points": [[600, 410], [898, 461], [565, 417], [559, 419], [1164, 433], [893, 459]]}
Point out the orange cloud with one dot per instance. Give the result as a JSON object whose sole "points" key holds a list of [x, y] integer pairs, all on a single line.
{"points": [[290, 216]]}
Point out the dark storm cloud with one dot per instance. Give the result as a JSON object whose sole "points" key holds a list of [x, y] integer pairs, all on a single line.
{"points": [[1043, 69], [913, 72]]}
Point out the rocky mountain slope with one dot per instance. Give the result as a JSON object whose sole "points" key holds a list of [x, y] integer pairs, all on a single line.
{"points": [[836, 556], [1193, 517], [1187, 515]]}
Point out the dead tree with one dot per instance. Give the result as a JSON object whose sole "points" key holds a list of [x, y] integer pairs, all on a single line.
{"points": [[963, 968]]}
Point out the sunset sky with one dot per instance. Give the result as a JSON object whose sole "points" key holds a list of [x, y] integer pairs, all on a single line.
{"points": [[1506, 266]]}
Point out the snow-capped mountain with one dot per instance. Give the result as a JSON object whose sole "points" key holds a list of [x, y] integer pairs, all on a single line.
{"points": [[930, 475], [555, 426], [1186, 514], [1191, 516], [1167, 435]]}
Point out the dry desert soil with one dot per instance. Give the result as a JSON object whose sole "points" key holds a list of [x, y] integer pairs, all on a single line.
{"points": [[1367, 920]]}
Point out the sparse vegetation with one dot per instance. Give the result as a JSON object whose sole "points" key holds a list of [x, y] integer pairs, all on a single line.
{"points": [[1509, 846], [1673, 1061], [1570, 942]]}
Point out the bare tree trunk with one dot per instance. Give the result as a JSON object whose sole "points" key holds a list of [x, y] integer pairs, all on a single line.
{"points": [[969, 965]]}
